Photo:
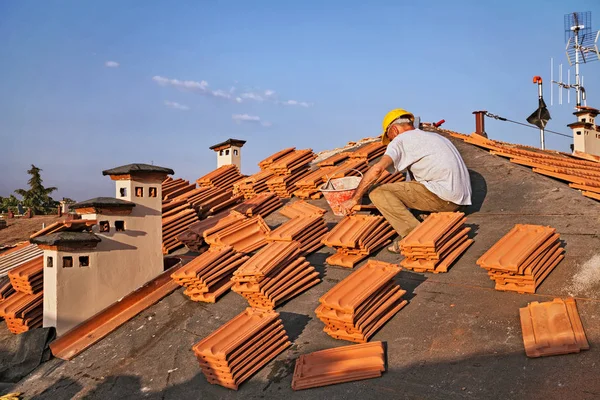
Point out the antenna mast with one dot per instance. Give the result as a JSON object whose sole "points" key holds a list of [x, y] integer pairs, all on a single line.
{"points": [[582, 47]]}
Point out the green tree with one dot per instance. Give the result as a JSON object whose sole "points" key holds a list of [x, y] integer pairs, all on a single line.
{"points": [[37, 197], [8, 203]]}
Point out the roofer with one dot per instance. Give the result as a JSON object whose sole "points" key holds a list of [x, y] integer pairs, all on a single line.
{"points": [[437, 177]]}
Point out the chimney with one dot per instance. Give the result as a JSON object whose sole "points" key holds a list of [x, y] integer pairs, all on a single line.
{"points": [[480, 123]]}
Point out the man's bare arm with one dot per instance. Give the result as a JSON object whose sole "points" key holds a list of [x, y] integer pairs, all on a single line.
{"points": [[371, 176]]}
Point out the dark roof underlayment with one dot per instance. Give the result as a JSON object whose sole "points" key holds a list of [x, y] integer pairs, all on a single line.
{"points": [[457, 338], [137, 168]]}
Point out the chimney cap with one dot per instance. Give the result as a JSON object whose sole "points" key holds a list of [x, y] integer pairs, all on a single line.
{"points": [[228, 143], [138, 168]]}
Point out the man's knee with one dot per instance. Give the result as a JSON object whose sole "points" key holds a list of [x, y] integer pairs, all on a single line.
{"points": [[376, 194]]}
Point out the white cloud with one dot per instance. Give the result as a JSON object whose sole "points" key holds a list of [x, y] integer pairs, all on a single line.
{"points": [[201, 86], [296, 103], [269, 93], [111, 64], [251, 96], [245, 118], [176, 106]]}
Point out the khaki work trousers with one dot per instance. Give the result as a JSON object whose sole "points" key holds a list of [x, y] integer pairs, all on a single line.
{"points": [[393, 200]]}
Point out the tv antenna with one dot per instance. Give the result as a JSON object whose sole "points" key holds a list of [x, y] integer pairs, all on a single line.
{"points": [[582, 47]]}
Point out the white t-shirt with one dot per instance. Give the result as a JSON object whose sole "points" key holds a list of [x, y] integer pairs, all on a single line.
{"points": [[433, 161]]}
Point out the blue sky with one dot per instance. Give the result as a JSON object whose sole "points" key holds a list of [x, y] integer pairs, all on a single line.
{"points": [[88, 85]]}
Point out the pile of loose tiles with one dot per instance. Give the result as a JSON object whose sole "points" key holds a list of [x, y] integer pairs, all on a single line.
{"points": [[359, 305], [350, 167], [523, 258], [193, 236], [274, 275], [338, 365], [245, 235], [288, 170], [267, 162], [308, 231], [241, 347], [29, 277], [355, 237], [301, 209], [22, 306], [208, 276], [175, 224], [552, 328], [369, 152], [334, 159], [263, 204], [172, 188], [309, 185], [436, 243], [254, 184], [223, 177]]}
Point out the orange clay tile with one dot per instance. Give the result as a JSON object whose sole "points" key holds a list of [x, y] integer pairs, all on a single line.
{"points": [[301, 208], [338, 365], [265, 260], [347, 295], [244, 236], [224, 176], [442, 265], [334, 159], [514, 248], [432, 230], [267, 162], [347, 232], [552, 328], [369, 151]]}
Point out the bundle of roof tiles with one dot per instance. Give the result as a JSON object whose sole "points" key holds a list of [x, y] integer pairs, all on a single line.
{"points": [[334, 159], [267, 162], [274, 275], [223, 177], [204, 200], [386, 177], [17, 256], [241, 347], [245, 235], [301, 209], [362, 303], [29, 277], [369, 152], [308, 186], [355, 237], [66, 225], [523, 258], [350, 167], [193, 237], [288, 170], [173, 225], [174, 187], [263, 204], [254, 184], [436, 243], [6, 289], [552, 328], [21, 311], [338, 365], [208, 276], [308, 231]]}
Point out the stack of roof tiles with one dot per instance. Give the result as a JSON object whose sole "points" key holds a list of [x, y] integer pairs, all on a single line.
{"points": [[29, 277], [204, 200], [17, 256], [223, 177], [362, 303], [66, 225], [350, 167], [334, 159], [369, 152], [174, 187], [523, 258], [245, 235], [338, 365], [552, 328], [436, 243], [263, 204], [267, 162], [21, 304], [6, 289], [308, 186], [301, 209], [355, 237], [274, 275], [241, 347], [288, 170], [175, 224], [193, 236], [386, 177], [208, 276], [308, 231], [254, 184], [582, 174]]}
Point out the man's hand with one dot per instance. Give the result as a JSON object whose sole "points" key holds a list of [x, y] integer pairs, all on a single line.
{"points": [[348, 205]]}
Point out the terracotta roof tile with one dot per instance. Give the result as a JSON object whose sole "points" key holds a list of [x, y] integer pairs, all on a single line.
{"points": [[342, 364], [552, 328], [335, 159], [29, 277], [308, 231], [262, 204], [252, 185], [301, 208], [18, 256], [369, 152], [244, 236], [267, 162], [223, 177]]}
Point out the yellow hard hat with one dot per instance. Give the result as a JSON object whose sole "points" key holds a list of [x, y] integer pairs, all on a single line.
{"points": [[391, 117]]}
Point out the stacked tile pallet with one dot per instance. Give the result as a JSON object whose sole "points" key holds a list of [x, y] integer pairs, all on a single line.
{"points": [[350, 167], [369, 152], [358, 306], [288, 170], [175, 224], [338, 365], [193, 236], [245, 235], [241, 347], [174, 187], [334, 159], [436, 243], [223, 177], [208, 276], [263, 204], [267, 162], [254, 184], [552, 328], [308, 231], [301, 209], [274, 275], [355, 237], [308, 186], [523, 258], [22, 307]]}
